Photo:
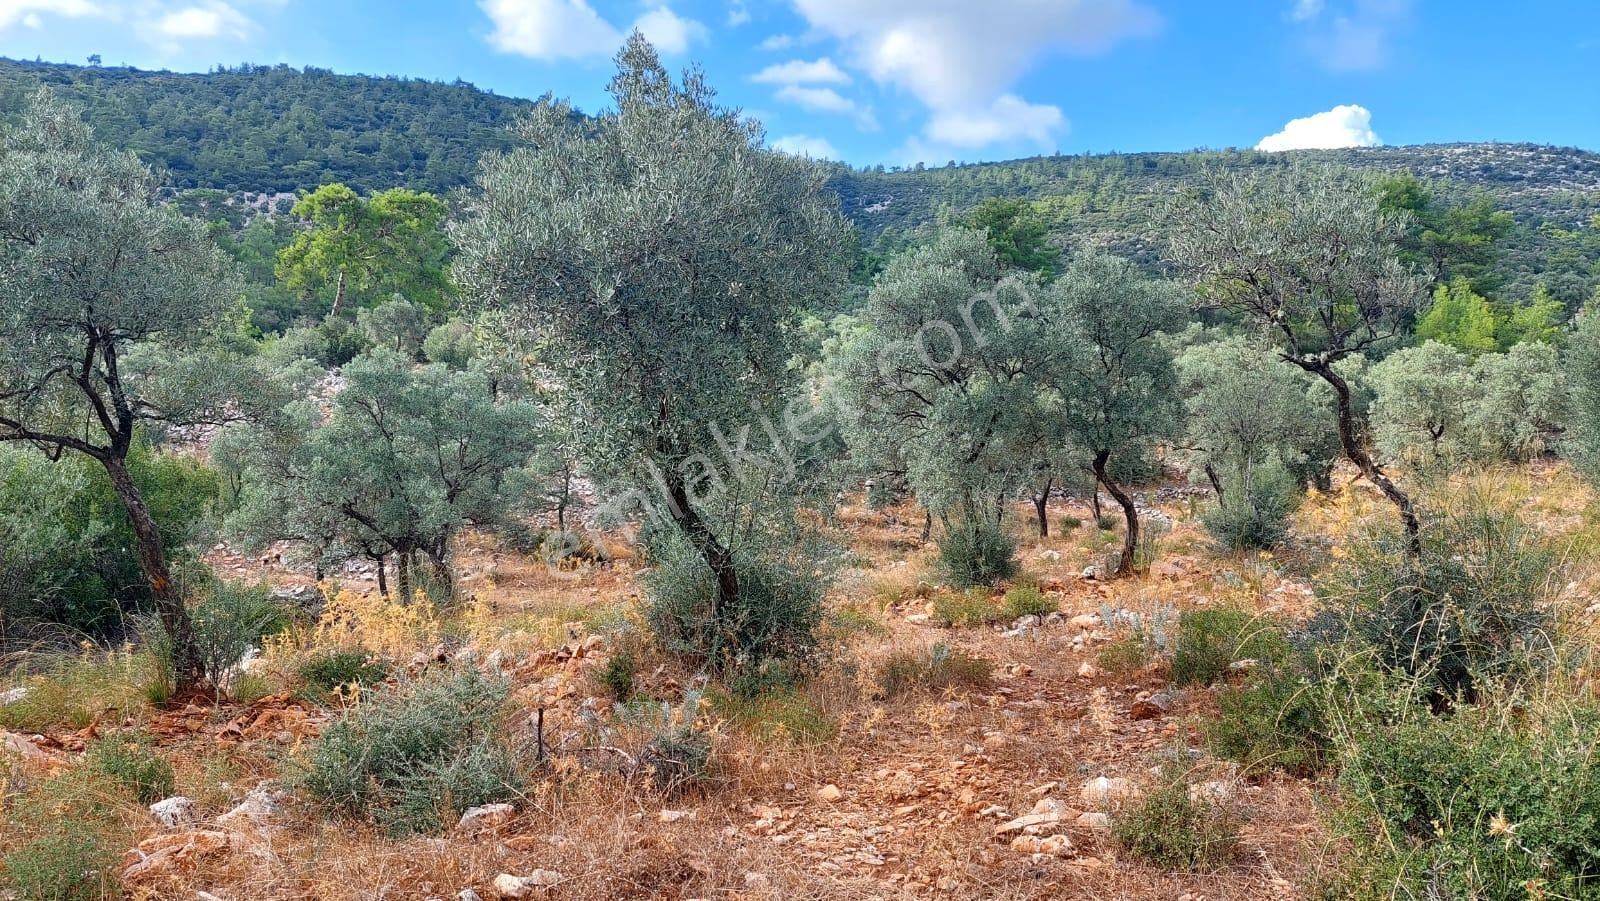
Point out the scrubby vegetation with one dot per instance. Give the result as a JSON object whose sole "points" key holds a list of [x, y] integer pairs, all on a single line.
{"points": [[629, 506]]}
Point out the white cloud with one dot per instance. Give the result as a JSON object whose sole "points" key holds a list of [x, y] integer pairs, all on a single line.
{"points": [[571, 29], [961, 59], [1008, 118], [1354, 36], [210, 20], [806, 145], [798, 71], [827, 100], [549, 29], [1306, 9], [30, 12], [738, 14], [778, 42], [163, 24], [1342, 126], [954, 52], [823, 100], [668, 31]]}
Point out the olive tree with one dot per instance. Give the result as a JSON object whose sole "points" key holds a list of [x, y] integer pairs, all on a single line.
{"points": [[1424, 396], [1112, 368], [1523, 406], [1257, 432], [659, 255], [1582, 371], [409, 455], [1310, 255], [95, 271], [939, 375]]}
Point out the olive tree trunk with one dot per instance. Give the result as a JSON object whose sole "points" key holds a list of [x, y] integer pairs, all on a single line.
{"points": [[1355, 449], [1041, 506], [186, 669], [1130, 513]]}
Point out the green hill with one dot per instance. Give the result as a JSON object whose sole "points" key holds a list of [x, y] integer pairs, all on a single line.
{"points": [[271, 129]]}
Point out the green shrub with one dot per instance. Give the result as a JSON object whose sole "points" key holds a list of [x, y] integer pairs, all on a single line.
{"points": [[1474, 605], [325, 671], [1070, 523], [1027, 600], [977, 553], [131, 761], [1272, 722], [1107, 522], [73, 562], [414, 756], [1494, 801], [787, 714], [937, 668], [70, 862], [617, 675], [1124, 655], [973, 607], [1211, 638], [678, 759], [1255, 512], [776, 614], [1175, 832], [229, 622]]}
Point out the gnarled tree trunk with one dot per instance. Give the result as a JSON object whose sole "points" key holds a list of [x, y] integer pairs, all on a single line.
{"points": [[1130, 513], [1041, 506], [1355, 449], [186, 668], [716, 554]]}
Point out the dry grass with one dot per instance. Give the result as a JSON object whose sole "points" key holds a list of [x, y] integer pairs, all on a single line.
{"points": [[915, 769]]}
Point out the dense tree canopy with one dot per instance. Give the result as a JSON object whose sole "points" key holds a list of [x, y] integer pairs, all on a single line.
{"points": [[409, 456], [106, 295], [661, 258], [1310, 256]]}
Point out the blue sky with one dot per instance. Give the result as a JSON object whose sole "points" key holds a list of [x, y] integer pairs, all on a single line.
{"points": [[900, 81]]}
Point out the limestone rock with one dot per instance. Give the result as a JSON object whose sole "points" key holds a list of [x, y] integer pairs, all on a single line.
{"points": [[488, 816], [173, 812], [510, 886], [1051, 845], [165, 855], [255, 810], [1150, 708], [829, 793], [1100, 791], [1093, 822]]}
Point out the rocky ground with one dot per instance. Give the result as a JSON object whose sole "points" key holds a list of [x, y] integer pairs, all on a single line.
{"points": [[998, 791]]}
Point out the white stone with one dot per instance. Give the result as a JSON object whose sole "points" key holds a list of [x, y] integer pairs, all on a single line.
{"points": [[256, 808], [487, 816], [1093, 821], [510, 886], [1102, 790], [173, 812], [13, 695]]}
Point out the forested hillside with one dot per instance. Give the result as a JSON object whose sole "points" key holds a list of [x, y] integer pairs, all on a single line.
{"points": [[270, 129], [274, 128]]}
